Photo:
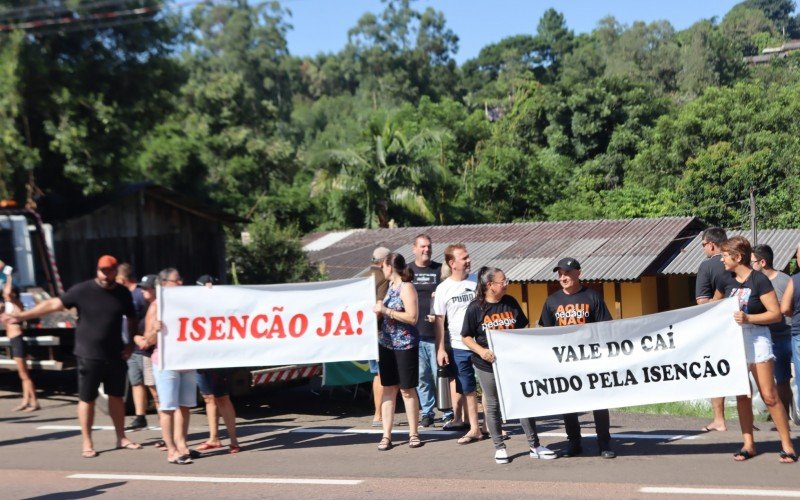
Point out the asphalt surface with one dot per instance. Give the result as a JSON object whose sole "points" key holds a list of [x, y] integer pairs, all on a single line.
{"points": [[305, 442]]}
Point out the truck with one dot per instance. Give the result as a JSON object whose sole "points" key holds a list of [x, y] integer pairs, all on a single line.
{"points": [[26, 244]]}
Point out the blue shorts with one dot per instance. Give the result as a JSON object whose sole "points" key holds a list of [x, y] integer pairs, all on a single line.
{"points": [[136, 369], [176, 388], [782, 349], [465, 378]]}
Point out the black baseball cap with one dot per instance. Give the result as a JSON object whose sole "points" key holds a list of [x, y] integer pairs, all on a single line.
{"points": [[567, 264], [148, 281]]}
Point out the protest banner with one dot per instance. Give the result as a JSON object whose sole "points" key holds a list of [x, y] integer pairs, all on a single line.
{"points": [[691, 353], [265, 325]]}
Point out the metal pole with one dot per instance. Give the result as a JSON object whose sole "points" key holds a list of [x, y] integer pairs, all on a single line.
{"points": [[753, 216]]}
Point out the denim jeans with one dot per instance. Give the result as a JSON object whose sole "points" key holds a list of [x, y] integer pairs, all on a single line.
{"points": [[796, 361], [427, 379]]}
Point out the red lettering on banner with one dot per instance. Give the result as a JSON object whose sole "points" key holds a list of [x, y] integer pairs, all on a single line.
{"points": [[182, 329], [198, 329], [254, 326], [215, 329], [236, 326], [328, 323], [298, 325], [261, 326], [277, 327], [344, 325]]}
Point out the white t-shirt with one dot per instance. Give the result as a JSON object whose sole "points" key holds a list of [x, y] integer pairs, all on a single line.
{"points": [[451, 300]]}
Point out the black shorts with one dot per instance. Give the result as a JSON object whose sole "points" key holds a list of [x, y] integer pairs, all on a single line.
{"points": [[399, 367], [92, 372], [214, 382], [18, 347]]}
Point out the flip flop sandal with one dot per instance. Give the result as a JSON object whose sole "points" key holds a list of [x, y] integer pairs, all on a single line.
{"points": [[208, 446], [744, 454], [130, 446], [786, 455], [182, 460], [414, 441], [468, 439], [234, 449], [89, 453]]}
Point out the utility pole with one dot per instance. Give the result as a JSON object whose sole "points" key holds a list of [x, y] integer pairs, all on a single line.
{"points": [[753, 216]]}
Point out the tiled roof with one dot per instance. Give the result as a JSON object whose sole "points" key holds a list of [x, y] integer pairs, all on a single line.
{"points": [[782, 241], [607, 249]]}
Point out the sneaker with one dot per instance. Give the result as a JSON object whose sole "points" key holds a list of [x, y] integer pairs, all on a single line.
{"points": [[501, 456], [139, 422], [608, 454], [426, 421], [543, 453]]}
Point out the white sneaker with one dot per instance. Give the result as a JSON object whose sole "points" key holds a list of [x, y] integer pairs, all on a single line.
{"points": [[501, 456], [543, 453]]}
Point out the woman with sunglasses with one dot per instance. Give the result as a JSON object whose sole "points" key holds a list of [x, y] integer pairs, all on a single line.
{"points": [[492, 309], [758, 307]]}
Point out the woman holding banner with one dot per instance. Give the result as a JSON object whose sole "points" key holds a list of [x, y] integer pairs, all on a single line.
{"points": [[177, 389], [398, 346], [492, 309], [758, 307]]}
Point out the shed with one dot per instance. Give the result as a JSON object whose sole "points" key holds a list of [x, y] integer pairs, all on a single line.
{"points": [[147, 225], [622, 259]]}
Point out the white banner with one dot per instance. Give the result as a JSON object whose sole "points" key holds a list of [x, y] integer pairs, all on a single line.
{"points": [[691, 353], [266, 325]]}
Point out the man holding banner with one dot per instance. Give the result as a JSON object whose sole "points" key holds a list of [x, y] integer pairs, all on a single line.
{"points": [[572, 305]]}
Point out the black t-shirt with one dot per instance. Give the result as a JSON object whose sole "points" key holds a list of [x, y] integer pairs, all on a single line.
{"points": [[749, 293], [583, 306], [425, 281], [711, 275], [503, 315], [100, 312]]}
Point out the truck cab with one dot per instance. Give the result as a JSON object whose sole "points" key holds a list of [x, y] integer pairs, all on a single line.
{"points": [[26, 244]]}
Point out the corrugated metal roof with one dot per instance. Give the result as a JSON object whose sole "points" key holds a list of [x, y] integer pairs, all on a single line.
{"points": [[782, 241], [607, 249]]}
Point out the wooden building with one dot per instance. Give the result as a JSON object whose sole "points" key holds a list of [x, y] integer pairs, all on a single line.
{"points": [[147, 225]]}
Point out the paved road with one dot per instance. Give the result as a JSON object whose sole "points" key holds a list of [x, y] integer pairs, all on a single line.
{"points": [[297, 443]]}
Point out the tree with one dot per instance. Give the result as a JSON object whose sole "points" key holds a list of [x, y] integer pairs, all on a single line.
{"points": [[386, 171], [273, 255]]}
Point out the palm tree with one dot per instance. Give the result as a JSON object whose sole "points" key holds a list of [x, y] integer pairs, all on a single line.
{"points": [[387, 168]]}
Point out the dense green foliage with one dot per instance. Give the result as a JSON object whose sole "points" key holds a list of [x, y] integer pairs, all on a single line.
{"points": [[625, 121]]}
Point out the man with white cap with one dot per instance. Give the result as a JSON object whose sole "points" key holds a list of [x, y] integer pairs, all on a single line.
{"points": [[381, 286], [99, 349], [576, 304]]}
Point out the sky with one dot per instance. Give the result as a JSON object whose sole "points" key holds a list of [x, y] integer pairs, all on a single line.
{"points": [[322, 25]]}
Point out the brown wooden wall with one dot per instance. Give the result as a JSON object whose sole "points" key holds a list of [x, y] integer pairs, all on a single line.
{"points": [[146, 230]]}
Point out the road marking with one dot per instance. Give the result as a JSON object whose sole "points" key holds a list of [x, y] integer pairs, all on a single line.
{"points": [[660, 437], [721, 491], [440, 432], [209, 479], [78, 428], [353, 430]]}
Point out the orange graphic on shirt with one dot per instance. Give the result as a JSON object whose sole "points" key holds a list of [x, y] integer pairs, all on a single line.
{"points": [[572, 314], [499, 321]]}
